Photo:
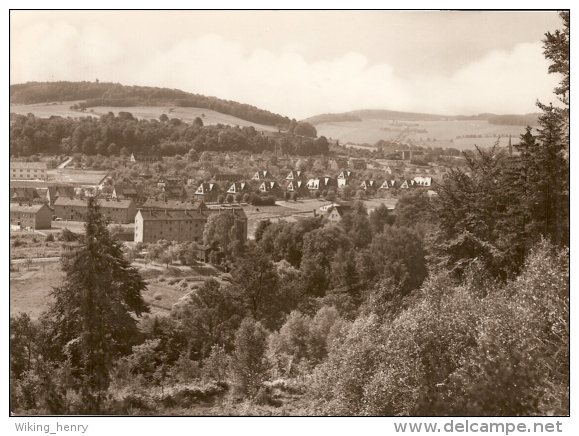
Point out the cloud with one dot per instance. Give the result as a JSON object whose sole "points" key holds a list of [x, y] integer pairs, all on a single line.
{"points": [[282, 81]]}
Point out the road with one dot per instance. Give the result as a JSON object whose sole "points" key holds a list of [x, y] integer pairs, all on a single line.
{"points": [[65, 163]]}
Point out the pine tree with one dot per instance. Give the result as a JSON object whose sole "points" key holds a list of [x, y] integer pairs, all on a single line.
{"points": [[95, 309]]}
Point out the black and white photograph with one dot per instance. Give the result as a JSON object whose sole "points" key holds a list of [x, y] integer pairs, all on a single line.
{"points": [[289, 213]]}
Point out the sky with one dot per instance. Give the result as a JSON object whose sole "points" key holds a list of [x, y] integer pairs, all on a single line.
{"points": [[300, 63]]}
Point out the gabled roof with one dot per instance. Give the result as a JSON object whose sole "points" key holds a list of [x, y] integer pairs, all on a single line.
{"points": [[103, 204], [31, 165], [26, 208], [151, 203], [170, 215], [238, 187], [206, 188]]}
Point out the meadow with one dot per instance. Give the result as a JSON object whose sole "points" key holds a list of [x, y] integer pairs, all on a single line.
{"points": [[440, 133], [186, 114]]}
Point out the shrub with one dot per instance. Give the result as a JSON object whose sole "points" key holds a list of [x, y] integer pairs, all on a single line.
{"points": [[49, 238], [158, 296]]}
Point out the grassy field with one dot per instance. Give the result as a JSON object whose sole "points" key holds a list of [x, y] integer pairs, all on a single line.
{"points": [[71, 176], [187, 114], [30, 287], [441, 133]]}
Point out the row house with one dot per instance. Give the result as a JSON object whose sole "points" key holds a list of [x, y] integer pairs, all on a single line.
{"points": [[260, 175], [321, 183], [227, 177], [298, 186], [295, 175], [133, 192], [344, 177], [23, 195], [165, 182], [53, 192], [239, 188], [369, 184], [207, 192], [116, 211], [30, 216], [28, 171], [270, 187]]}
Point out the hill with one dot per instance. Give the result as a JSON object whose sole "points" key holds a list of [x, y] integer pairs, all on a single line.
{"points": [[369, 126], [383, 114], [97, 94]]}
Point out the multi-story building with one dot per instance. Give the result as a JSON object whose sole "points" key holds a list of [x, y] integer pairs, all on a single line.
{"points": [[183, 225], [116, 211], [28, 171], [31, 216]]}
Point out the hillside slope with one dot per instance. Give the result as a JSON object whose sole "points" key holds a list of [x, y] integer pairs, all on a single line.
{"points": [[96, 94]]}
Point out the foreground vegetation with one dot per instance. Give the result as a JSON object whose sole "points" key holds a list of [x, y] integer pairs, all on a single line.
{"points": [[456, 305]]}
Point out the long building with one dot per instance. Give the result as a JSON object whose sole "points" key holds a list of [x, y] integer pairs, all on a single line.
{"points": [[28, 171], [116, 211], [184, 225]]}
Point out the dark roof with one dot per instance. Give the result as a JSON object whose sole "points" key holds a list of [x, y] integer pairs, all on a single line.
{"points": [[29, 208], [170, 215], [151, 203]]}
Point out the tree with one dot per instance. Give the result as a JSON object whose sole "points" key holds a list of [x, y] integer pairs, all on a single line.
{"points": [[255, 278], [248, 363], [94, 309]]}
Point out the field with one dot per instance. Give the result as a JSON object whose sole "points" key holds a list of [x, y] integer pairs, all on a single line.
{"points": [[76, 177], [30, 287], [186, 114], [438, 133]]}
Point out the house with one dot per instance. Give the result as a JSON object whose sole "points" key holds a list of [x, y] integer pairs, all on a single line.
{"points": [[144, 158], [202, 252], [388, 184], [295, 175], [172, 225], [207, 192], [270, 187], [134, 192], [53, 192], [28, 171], [297, 186], [344, 177], [321, 183], [423, 181], [116, 211], [239, 187], [23, 195], [337, 212], [30, 216], [174, 191], [260, 175], [369, 184], [357, 164], [169, 182], [227, 177]]}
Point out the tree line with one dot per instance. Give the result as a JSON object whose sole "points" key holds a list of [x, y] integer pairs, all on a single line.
{"points": [[111, 135]]}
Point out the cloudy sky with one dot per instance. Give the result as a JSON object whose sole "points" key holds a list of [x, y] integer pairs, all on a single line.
{"points": [[300, 63]]}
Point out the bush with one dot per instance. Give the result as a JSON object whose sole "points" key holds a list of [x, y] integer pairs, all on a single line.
{"points": [[49, 238]]}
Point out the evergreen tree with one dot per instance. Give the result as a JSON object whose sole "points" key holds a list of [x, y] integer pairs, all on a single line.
{"points": [[95, 308]]}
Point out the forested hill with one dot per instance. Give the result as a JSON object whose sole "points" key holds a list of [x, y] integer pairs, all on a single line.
{"points": [[382, 114], [113, 94]]}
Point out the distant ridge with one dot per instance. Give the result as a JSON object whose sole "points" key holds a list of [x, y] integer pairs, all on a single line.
{"points": [[383, 114], [114, 94]]}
